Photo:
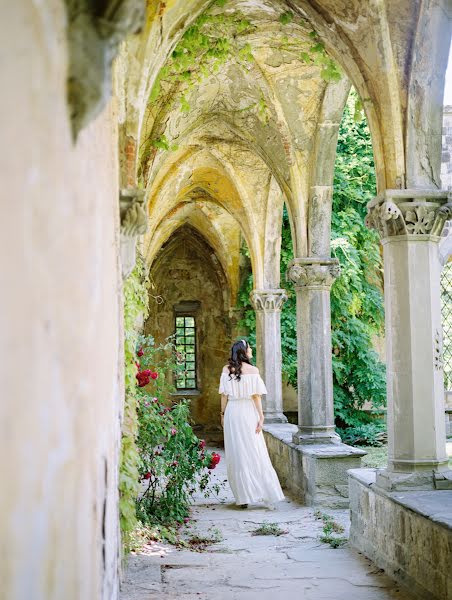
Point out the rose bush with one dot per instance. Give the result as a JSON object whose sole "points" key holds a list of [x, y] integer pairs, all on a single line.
{"points": [[159, 469], [173, 462]]}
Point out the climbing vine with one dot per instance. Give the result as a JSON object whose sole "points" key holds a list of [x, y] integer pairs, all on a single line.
{"points": [[212, 40], [312, 52], [162, 462], [135, 310], [357, 313]]}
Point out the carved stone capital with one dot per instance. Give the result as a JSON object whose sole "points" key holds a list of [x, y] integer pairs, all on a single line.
{"points": [[409, 212], [268, 300], [133, 224], [318, 273], [133, 214]]}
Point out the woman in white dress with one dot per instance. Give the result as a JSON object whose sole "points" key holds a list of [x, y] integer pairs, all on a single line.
{"points": [[250, 472]]}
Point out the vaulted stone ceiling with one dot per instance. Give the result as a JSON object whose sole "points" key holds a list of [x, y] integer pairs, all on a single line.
{"points": [[275, 117]]}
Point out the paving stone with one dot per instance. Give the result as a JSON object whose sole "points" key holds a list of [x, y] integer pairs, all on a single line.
{"points": [[247, 567]]}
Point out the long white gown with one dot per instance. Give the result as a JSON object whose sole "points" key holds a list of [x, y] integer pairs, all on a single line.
{"points": [[250, 472]]}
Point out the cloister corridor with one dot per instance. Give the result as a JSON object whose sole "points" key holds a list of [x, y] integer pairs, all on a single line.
{"points": [[241, 566], [177, 176]]}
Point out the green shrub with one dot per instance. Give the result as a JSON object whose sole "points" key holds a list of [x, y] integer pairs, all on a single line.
{"points": [[155, 434], [173, 462]]}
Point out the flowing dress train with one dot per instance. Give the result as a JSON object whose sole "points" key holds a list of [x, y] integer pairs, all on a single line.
{"points": [[250, 472]]}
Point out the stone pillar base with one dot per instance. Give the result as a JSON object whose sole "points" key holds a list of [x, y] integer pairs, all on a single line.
{"points": [[316, 435], [275, 417], [314, 473], [417, 480]]}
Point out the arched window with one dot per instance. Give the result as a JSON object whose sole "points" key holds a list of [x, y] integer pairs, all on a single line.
{"points": [[185, 325]]}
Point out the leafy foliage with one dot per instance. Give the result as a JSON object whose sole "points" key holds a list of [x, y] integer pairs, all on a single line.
{"points": [[331, 530], [158, 446], [212, 40], [357, 313], [173, 462], [267, 528], [135, 303]]}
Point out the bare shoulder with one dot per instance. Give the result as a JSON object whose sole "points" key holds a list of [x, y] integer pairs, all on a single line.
{"points": [[249, 369]]}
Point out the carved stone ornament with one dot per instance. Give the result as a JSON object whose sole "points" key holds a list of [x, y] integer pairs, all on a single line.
{"points": [[314, 272], [95, 31], [409, 212], [268, 300], [133, 215], [438, 350]]}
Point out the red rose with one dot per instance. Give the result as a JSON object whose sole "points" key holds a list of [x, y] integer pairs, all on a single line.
{"points": [[154, 375], [173, 431], [214, 460], [147, 372], [142, 379], [140, 352], [186, 520], [147, 475], [202, 444], [174, 463]]}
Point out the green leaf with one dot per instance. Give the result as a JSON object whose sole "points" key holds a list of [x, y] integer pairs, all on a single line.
{"points": [[286, 17]]}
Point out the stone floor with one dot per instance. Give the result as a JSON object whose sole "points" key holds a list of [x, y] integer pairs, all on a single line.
{"points": [[246, 567]]}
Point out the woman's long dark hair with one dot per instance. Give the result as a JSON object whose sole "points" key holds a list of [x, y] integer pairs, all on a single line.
{"points": [[238, 356]]}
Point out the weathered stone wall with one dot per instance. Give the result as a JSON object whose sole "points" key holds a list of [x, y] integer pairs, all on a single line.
{"points": [[187, 270], [290, 399], [408, 534], [60, 325], [446, 157]]}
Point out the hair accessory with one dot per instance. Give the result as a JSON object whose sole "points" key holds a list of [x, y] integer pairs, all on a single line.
{"points": [[244, 343]]}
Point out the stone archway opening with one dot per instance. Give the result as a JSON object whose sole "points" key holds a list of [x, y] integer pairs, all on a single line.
{"points": [[194, 307]]}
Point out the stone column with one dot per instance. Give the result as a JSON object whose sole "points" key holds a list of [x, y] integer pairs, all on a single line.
{"points": [[134, 223], [313, 278], [268, 304], [410, 223]]}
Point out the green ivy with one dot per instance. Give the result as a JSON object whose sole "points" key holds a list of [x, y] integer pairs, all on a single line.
{"points": [[135, 309], [286, 17], [357, 312], [158, 445], [212, 40], [314, 53]]}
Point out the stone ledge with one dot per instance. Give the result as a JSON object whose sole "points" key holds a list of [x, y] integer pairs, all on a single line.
{"points": [[316, 473], [435, 505], [285, 431], [408, 534]]}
